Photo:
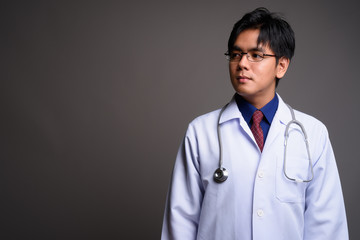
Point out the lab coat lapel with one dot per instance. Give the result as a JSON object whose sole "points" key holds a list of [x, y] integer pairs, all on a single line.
{"points": [[232, 112], [278, 125]]}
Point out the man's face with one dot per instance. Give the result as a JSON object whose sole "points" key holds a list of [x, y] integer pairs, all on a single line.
{"points": [[255, 81]]}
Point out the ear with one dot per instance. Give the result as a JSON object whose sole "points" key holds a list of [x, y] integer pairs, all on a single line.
{"points": [[282, 67]]}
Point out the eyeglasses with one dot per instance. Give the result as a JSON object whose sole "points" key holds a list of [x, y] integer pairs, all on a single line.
{"points": [[252, 56]]}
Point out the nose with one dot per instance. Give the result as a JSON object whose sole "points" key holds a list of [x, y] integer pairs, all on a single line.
{"points": [[244, 62]]}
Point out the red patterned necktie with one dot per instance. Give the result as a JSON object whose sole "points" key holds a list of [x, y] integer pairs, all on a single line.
{"points": [[256, 128]]}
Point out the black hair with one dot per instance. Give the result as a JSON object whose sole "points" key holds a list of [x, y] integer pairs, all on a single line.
{"points": [[275, 32]]}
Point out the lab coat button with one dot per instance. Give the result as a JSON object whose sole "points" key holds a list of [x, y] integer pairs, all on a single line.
{"points": [[261, 174], [260, 212]]}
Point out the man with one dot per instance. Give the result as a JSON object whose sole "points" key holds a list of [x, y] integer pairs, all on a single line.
{"points": [[273, 191]]}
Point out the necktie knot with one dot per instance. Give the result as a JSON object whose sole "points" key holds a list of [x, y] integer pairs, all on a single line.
{"points": [[256, 128], [257, 117]]}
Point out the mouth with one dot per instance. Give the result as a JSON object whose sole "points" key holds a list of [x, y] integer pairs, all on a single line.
{"points": [[243, 79]]}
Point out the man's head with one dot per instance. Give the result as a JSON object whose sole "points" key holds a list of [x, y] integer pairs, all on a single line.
{"points": [[257, 33], [274, 32]]}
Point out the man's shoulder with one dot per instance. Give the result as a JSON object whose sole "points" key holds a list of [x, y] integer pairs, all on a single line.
{"points": [[206, 118], [301, 116], [312, 125]]}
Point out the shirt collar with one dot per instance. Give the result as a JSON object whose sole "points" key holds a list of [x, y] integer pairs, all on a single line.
{"points": [[247, 110]]}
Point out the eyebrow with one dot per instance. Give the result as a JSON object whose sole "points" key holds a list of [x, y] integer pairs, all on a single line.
{"points": [[252, 49]]}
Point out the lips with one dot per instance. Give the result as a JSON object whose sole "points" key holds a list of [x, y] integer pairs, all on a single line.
{"points": [[243, 79]]}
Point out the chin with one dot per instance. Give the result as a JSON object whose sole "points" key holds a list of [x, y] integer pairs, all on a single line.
{"points": [[242, 90]]}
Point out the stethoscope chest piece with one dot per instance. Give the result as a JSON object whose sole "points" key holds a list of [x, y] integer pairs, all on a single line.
{"points": [[220, 175]]}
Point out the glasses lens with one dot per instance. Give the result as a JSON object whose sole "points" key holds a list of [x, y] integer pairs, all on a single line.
{"points": [[255, 56], [233, 56]]}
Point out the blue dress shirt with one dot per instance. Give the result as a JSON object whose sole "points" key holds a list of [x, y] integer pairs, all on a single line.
{"points": [[247, 110]]}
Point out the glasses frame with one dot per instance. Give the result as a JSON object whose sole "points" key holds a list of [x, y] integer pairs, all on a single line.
{"points": [[227, 54]]}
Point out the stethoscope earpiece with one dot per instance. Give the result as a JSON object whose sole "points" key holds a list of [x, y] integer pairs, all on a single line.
{"points": [[220, 175]]}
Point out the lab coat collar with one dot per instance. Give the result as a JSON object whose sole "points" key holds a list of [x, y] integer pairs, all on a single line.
{"points": [[232, 112], [283, 113], [281, 119]]}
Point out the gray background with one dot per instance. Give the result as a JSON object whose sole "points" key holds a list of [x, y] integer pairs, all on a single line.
{"points": [[95, 98]]}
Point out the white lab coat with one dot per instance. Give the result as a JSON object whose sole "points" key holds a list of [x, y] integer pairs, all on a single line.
{"points": [[257, 201]]}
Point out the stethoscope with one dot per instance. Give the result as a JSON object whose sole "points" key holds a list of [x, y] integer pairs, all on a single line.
{"points": [[221, 174]]}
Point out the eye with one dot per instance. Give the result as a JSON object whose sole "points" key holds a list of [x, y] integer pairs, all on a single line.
{"points": [[234, 55], [256, 55]]}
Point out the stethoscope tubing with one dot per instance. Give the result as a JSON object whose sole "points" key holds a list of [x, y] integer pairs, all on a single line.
{"points": [[221, 174]]}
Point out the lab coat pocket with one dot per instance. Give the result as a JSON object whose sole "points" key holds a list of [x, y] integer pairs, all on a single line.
{"points": [[288, 190]]}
